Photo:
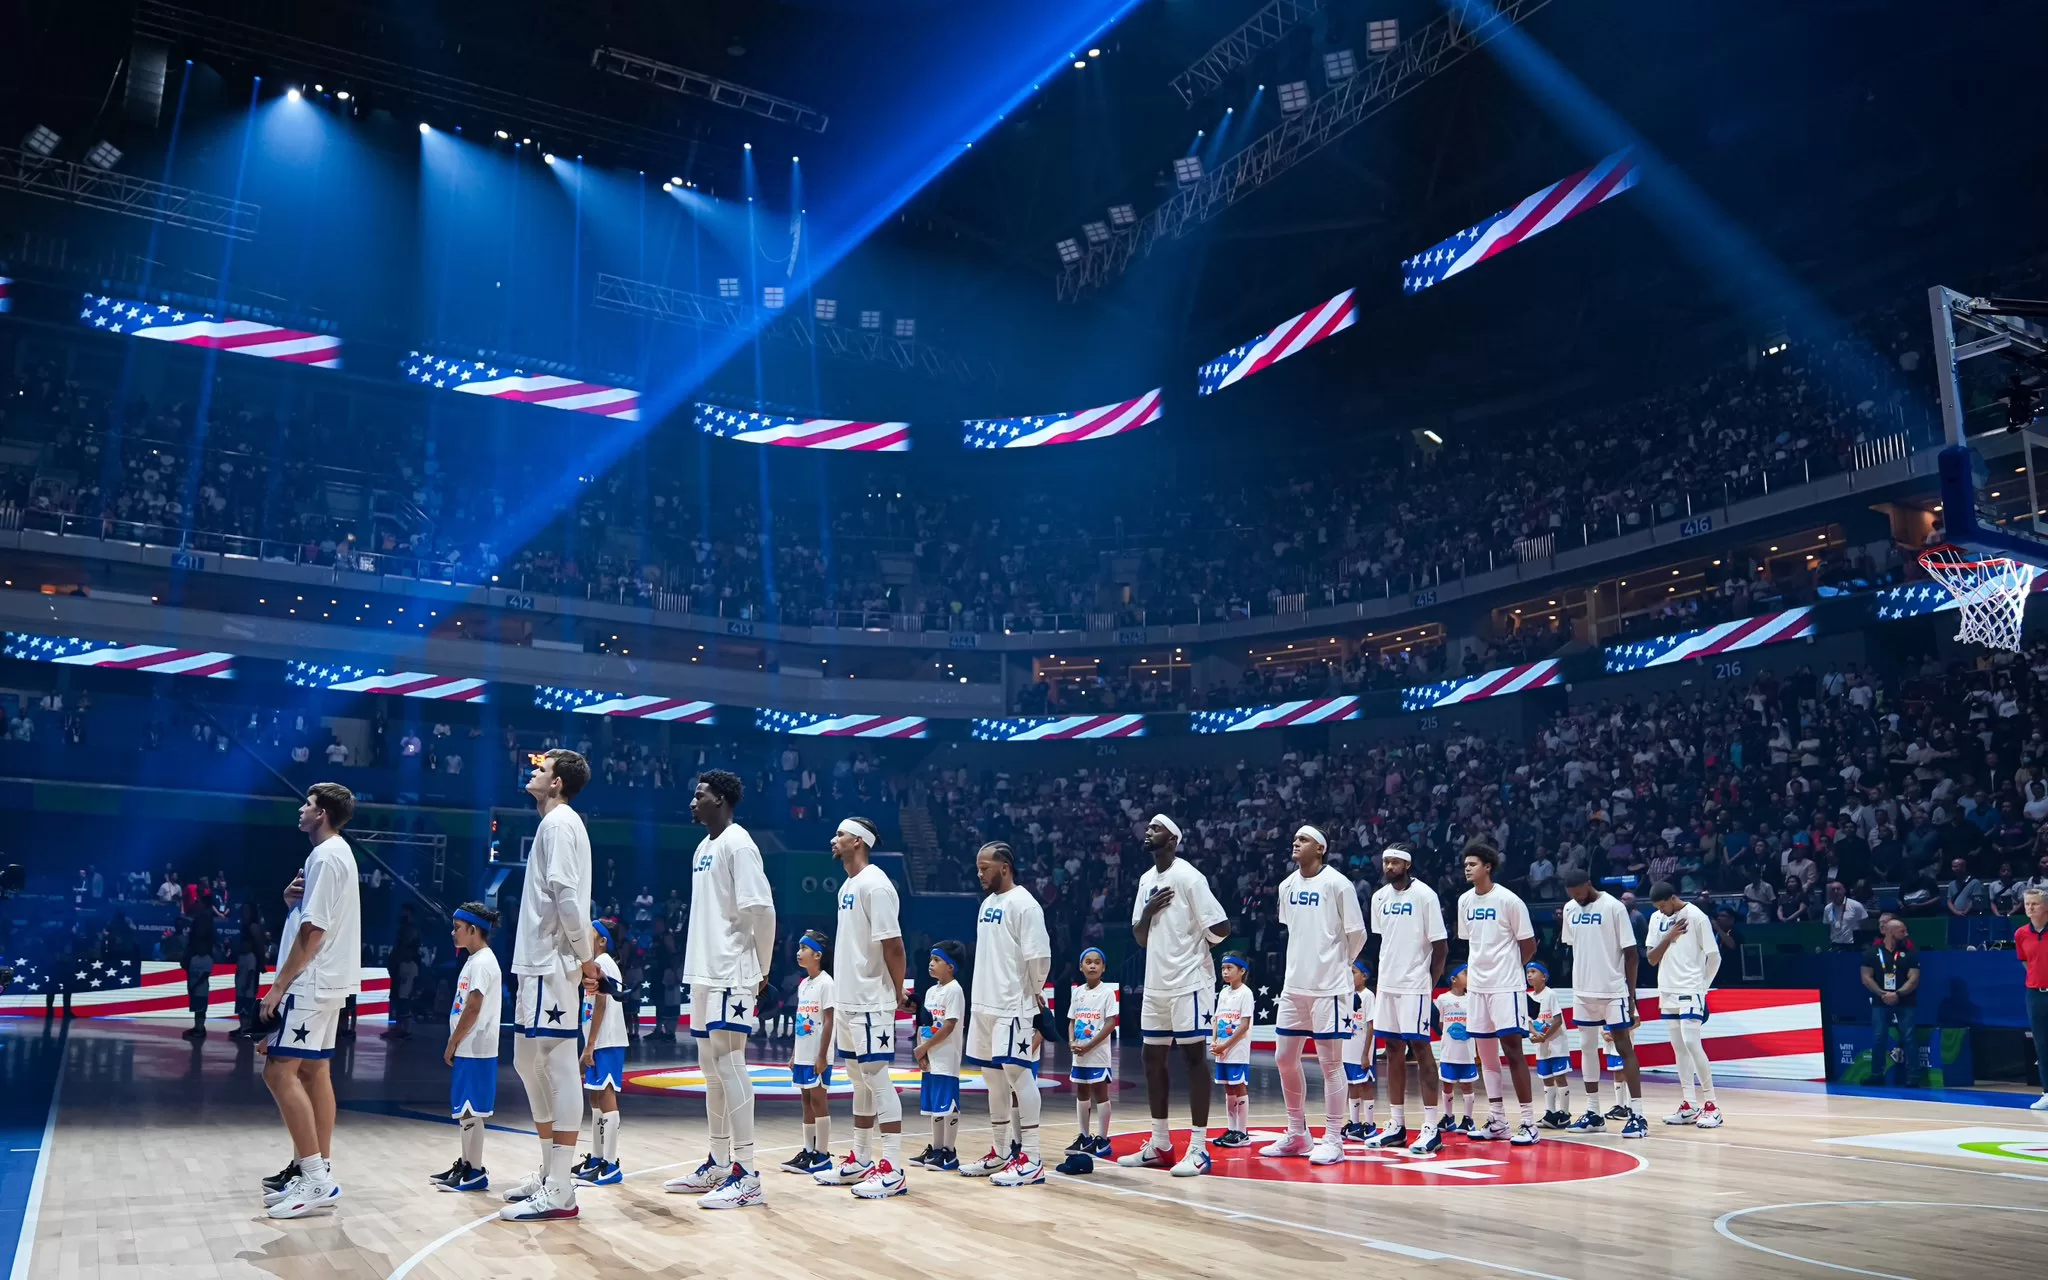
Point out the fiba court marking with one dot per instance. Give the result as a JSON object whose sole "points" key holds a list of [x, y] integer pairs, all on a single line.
{"points": [[1722, 1226], [1463, 1163]]}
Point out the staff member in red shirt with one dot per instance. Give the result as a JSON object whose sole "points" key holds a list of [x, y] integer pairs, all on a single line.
{"points": [[2031, 941]]}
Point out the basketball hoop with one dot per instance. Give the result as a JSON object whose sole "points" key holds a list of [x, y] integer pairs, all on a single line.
{"points": [[1990, 594]]}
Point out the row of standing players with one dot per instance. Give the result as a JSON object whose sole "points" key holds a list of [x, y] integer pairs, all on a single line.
{"points": [[559, 960]]}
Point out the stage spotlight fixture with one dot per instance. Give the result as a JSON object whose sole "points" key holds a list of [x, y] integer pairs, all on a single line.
{"points": [[1187, 170], [1097, 232], [906, 328], [1383, 35], [772, 297], [746, 146], [104, 155], [1069, 250], [502, 136], [424, 128], [1095, 53], [826, 309], [677, 181], [728, 286], [42, 140], [668, 186], [1122, 215], [796, 159], [526, 142], [549, 157], [1339, 64], [341, 95], [1294, 96], [870, 319], [319, 88], [1079, 65], [291, 95]]}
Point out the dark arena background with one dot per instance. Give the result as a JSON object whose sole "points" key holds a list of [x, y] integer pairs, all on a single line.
{"points": [[1604, 431]]}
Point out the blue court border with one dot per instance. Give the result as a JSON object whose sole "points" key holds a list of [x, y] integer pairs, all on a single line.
{"points": [[28, 1120]]}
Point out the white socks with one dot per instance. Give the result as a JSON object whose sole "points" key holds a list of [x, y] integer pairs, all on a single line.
{"points": [[1084, 1114], [892, 1148], [314, 1167], [823, 1125], [473, 1141], [810, 1135], [606, 1135]]}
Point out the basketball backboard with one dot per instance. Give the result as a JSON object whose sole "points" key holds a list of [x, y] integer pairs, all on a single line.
{"points": [[1994, 497]]}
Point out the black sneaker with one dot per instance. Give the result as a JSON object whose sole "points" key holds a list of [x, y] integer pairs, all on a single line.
{"points": [[1387, 1139], [282, 1178], [1233, 1138], [801, 1162], [925, 1159], [455, 1173], [1619, 1111], [1101, 1149], [576, 1170], [1464, 1125], [1081, 1142]]}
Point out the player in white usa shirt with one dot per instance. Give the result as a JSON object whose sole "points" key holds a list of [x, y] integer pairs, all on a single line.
{"points": [[1681, 944], [1501, 940], [1325, 933], [867, 976], [1409, 918], [1603, 941]]}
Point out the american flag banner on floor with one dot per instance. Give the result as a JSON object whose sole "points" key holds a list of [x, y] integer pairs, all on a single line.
{"points": [[1708, 642], [149, 989], [1503, 231], [1277, 715], [1057, 728], [163, 660], [1061, 428], [188, 328], [813, 725], [498, 382], [1268, 349], [645, 706], [6, 295], [342, 678], [1492, 684], [803, 433]]}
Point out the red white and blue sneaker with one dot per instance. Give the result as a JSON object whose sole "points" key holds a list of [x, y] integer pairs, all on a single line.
{"points": [[306, 1195], [1288, 1145], [702, 1180], [1022, 1171], [1146, 1156], [740, 1190], [549, 1203], [1194, 1164], [1710, 1117], [988, 1166], [882, 1181], [1687, 1113], [845, 1173]]}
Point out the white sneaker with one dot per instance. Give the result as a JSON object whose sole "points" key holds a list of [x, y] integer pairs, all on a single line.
{"points": [[740, 1190], [1327, 1152], [1686, 1114], [1289, 1144], [2039, 1104], [303, 1195], [882, 1181], [704, 1178], [1023, 1172], [843, 1173], [1194, 1164], [1710, 1117], [553, 1200], [527, 1188], [1525, 1136], [989, 1165]]}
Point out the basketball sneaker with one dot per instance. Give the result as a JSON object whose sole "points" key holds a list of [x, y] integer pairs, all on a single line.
{"points": [[576, 1170], [472, 1179], [1709, 1118], [1525, 1136], [1635, 1127], [882, 1181], [452, 1174], [1591, 1122], [1686, 1114], [1100, 1150], [282, 1178], [1287, 1145], [2039, 1104], [802, 1162], [1619, 1111], [1494, 1130], [1022, 1172], [1082, 1142], [601, 1173], [926, 1158], [1232, 1138], [1464, 1126], [1430, 1143], [1354, 1131], [305, 1195], [1192, 1165], [525, 1189], [1327, 1150], [1556, 1119], [845, 1173], [948, 1161], [546, 1205], [704, 1178], [1146, 1156], [1387, 1138], [740, 1190]]}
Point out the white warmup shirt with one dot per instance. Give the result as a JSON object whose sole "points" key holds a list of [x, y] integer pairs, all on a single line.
{"points": [[1325, 930], [1409, 922], [332, 902], [1177, 958], [867, 919], [554, 904], [610, 1033], [943, 1001], [813, 998], [480, 973], [1598, 933], [1011, 931], [1683, 971], [1493, 924], [1358, 1046], [1234, 1010], [726, 879], [1091, 1008], [1450, 1010]]}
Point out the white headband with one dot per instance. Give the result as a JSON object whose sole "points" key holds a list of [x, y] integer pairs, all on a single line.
{"points": [[859, 831], [1396, 851], [1313, 834], [1168, 823]]}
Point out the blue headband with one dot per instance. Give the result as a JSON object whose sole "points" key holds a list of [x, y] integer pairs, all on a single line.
{"points": [[1454, 973], [1362, 967], [1539, 967], [1239, 961], [812, 943], [1093, 951], [603, 932], [473, 918], [951, 963]]}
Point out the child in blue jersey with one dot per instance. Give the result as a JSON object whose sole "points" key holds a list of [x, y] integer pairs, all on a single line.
{"points": [[939, 1044], [810, 1061], [1231, 1048], [473, 1044], [604, 1058]]}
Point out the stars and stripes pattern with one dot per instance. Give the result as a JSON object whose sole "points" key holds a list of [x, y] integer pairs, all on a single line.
{"points": [[814, 725], [1057, 728], [1915, 599], [152, 989], [342, 678], [163, 660], [1276, 715], [204, 329], [1304, 330], [6, 295], [803, 433], [1061, 428], [646, 706], [549, 391], [1708, 642], [1503, 231], [1491, 684]]}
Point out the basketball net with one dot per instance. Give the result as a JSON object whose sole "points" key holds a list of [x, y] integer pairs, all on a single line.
{"points": [[1990, 594]]}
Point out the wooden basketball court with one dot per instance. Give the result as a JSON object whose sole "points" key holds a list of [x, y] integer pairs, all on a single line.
{"points": [[154, 1148]]}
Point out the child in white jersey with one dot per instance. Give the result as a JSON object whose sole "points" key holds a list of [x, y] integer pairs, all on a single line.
{"points": [[1231, 1047], [939, 1043], [1362, 1086], [1456, 1063], [1092, 1018], [1612, 1060], [1546, 1041], [473, 1045], [810, 1060], [604, 1058]]}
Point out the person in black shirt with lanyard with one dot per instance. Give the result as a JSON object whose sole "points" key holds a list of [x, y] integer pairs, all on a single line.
{"points": [[1891, 973]]}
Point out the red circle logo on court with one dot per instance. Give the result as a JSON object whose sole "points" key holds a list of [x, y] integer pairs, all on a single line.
{"points": [[1462, 1162]]}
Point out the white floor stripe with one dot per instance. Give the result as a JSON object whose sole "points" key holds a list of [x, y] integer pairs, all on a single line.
{"points": [[1721, 1226], [25, 1245]]}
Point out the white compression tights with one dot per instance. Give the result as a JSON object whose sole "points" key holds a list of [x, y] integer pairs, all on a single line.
{"points": [[998, 1082], [1294, 1081], [1692, 1058], [729, 1098], [554, 1087], [1023, 1089]]}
